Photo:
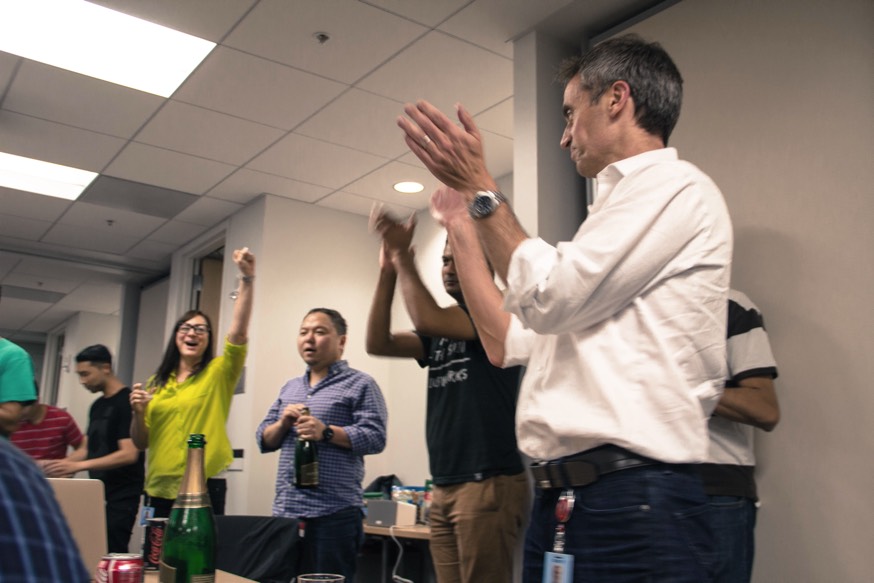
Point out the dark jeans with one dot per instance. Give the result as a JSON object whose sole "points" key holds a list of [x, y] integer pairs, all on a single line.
{"points": [[330, 543], [217, 487], [640, 524], [121, 513], [733, 521]]}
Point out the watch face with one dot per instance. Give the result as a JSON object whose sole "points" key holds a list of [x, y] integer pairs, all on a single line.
{"points": [[328, 434], [483, 205]]}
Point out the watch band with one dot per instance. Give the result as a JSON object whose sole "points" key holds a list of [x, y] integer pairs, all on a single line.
{"points": [[484, 203]]}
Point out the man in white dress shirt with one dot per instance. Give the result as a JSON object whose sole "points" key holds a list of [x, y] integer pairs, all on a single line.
{"points": [[622, 328]]}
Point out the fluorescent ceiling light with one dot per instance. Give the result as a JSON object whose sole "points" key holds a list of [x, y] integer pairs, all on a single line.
{"points": [[102, 43], [43, 177], [409, 187]]}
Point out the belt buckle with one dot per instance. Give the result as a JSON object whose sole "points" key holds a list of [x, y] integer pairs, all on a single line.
{"points": [[541, 474]]}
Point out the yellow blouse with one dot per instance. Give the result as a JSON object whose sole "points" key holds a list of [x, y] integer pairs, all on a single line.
{"points": [[199, 404]]}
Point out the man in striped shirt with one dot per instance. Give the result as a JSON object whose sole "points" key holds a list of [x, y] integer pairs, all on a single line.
{"points": [[47, 433]]}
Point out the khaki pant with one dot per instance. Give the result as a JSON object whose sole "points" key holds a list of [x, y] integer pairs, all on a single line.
{"points": [[475, 527]]}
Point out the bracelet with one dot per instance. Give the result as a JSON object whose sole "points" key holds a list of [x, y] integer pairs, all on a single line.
{"points": [[247, 278]]}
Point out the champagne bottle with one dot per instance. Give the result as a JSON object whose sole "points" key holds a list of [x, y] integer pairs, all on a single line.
{"points": [[306, 461], [188, 555]]}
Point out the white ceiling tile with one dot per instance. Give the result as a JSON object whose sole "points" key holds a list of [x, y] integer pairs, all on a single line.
{"points": [[429, 70], [429, 13], [69, 98], [361, 36], [256, 89], [21, 228], [102, 298], [359, 205], [153, 250], [84, 238], [315, 162], [110, 221], [51, 319], [61, 269], [379, 185], [176, 233], [245, 185], [8, 261], [492, 24], [143, 163], [42, 282], [7, 68], [499, 153], [201, 132], [498, 119], [31, 205], [16, 313], [52, 142], [342, 123], [208, 211], [207, 19]]}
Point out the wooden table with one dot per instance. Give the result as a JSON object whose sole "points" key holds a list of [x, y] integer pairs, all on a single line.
{"points": [[220, 577]]}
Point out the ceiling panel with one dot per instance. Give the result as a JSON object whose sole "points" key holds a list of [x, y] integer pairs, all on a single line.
{"points": [[430, 13], [53, 142], [256, 89], [110, 221], [80, 101], [96, 240], [283, 31], [168, 169], [208, 211], [8, 63], [21, 228], [316, 162], [429, 70], [17, 203], [245, 185]]}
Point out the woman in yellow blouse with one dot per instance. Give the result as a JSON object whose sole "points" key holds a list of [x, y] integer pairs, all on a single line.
{"points": [[191, 392]]}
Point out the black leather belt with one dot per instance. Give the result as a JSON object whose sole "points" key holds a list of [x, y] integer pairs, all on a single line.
{"points": [[584, 468]]}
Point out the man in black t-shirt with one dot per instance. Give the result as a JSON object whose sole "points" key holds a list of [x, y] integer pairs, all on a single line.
{"points": [[481, 490], [112, 456]]}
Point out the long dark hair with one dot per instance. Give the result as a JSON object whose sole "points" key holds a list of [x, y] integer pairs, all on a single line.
{"points": [[170, 362]]}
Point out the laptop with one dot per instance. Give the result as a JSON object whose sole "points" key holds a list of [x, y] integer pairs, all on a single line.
{"points": [[83, 503]]}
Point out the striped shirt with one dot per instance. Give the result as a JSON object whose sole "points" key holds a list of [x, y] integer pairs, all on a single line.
{"points": [[50, 439], [346, 398], [36, 544]]}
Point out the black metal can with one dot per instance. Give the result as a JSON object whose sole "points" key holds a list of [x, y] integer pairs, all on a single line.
{"points": [[154, 542]]}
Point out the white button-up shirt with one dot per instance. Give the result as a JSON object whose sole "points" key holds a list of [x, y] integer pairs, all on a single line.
{"points": [[630, 317]]}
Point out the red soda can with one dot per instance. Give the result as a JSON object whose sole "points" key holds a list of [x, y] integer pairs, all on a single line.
{"points": [[120, 568], [154, 542]]}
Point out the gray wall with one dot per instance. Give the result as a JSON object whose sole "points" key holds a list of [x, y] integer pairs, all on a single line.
{"points": [[778, 111]]}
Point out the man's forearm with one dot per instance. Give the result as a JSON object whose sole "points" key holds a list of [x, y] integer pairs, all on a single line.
{"points": [[273, 435], [500, 235]]}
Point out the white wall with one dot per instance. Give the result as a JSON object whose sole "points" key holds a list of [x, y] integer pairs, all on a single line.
{"points": [[310, 257], [80, 331], [778, 111]]}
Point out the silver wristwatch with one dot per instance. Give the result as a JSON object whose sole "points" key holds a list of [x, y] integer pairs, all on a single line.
{"points": [[485, 203]]}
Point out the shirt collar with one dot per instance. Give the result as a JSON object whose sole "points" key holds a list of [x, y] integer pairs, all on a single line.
{"points": [[334, 369], [610, 176]]}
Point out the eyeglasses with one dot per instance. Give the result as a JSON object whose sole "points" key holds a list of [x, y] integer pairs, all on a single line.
{"points": [[200, 329]]}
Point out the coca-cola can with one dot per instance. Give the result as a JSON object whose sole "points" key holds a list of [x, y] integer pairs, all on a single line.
{"points": [[120, 568], [154, 542]]}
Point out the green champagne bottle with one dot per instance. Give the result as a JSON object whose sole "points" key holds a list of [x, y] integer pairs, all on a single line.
{"points": [[306, 461], [188, 554]]}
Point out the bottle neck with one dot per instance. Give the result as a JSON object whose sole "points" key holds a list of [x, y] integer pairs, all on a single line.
{"points": [[192, 491]]}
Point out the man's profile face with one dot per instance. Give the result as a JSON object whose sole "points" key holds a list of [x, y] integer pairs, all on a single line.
{"points": [[585, 134], [92, 376]]}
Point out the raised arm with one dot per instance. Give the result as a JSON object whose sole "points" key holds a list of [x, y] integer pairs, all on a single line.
{"points": [[238, 333], [482, 296], [380, 340]]}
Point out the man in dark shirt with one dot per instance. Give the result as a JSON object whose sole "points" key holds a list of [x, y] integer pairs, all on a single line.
{"points": [[481, 490], [112, 456]]}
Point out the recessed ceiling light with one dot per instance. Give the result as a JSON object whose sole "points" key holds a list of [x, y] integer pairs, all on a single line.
{"points": [[43, 177], [92, 40], [409, 187]]}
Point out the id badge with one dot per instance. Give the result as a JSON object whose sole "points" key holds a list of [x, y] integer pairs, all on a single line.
{"points": [[147, 513], [558, 568]]}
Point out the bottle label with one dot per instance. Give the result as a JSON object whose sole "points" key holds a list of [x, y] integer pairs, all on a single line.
{"points": [[309, 474], [208, 578]]}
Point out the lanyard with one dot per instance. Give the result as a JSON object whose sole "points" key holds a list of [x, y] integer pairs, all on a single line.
{"points": [[563, 509]]}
